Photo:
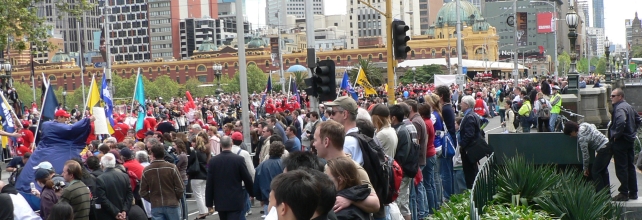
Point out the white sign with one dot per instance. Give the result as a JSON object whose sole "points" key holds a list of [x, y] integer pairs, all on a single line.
{"points": [[461, 79]]}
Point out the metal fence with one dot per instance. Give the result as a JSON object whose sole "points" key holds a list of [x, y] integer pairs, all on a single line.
{"points": [[484, 187]]}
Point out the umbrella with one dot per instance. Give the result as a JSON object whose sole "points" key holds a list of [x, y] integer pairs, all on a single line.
{"points": [[297, 68]]}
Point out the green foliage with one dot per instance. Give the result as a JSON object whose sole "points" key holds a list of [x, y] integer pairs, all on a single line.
{"points": [[192, 86], [74, 8], [576, 199], [520, 178], [502, 212], [601, 66], [373, 74], [299, 78], [25, 93], [19, 20], [423, 74], [582, 65], [256, 81], [167, 87], [564, 63], [458, 208], [636, 51]]}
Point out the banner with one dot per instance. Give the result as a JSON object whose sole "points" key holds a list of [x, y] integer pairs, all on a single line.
{"points": [[545, 22], [445, 80], [363, 81]]}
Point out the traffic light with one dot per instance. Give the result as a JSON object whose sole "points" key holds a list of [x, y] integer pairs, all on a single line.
{"points": [[311, 83], [325, 80], [400, 39]]}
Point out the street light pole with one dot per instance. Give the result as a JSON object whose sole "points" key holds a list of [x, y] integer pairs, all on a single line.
{"points": [[607, 52], [516, 45], [414, 75], [64, 99], [572, 21]]}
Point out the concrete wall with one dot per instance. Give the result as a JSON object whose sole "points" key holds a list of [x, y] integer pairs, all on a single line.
{"points": [[633, 95]]}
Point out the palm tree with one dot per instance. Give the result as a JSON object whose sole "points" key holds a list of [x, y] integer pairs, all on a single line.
{"points": [[373, 73], [299, 78]]}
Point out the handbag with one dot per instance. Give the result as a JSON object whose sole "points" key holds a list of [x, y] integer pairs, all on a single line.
{"points": [[449, 147], [478, 150], [195, 168]]}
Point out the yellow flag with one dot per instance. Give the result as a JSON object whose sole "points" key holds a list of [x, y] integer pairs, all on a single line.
{"points": [[94, 96], [386, 87], [363, 81]]}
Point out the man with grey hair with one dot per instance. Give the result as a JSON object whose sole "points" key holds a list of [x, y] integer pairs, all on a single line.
{"points": [[150, 142], [112, 202], [193, 131], [227, 173], [143, 158]]}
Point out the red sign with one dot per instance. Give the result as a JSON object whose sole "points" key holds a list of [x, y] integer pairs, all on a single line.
{"points": [[545, 22]]}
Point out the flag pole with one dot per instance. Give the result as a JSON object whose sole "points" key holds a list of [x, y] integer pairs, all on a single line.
{"points": [[357, 78], [289, 86], [91, 86], [13, 113], [134, 96], [44, 98]]}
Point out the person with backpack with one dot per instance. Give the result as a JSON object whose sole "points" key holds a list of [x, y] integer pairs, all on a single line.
{"points": [[543, 112], [407, 156], [344, 110], [525, 113]]}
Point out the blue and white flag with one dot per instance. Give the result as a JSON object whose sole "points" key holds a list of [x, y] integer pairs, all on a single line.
{"points": [[105, 95]]}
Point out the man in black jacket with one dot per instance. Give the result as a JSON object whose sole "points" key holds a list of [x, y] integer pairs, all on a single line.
{"points": [[224, 190], [625, 122], [113, 192], [165, 126]]}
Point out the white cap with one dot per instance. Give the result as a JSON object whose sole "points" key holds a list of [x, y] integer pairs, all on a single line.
{"points": [[44, 165]]}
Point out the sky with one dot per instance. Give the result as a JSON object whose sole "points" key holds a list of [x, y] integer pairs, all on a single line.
{"points": [[615, 11]]}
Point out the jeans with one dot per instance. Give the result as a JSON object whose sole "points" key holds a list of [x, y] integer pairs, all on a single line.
{"points": [[502, 114], [428, 172], [198, 190], [446, 171], [542, 125], [439, 189], [422, 201], [459, 181], [184, 203], [412, 200], [600, 169], [248, 204], [551, 121], [166, 213], [526, 126], [624, 169]]}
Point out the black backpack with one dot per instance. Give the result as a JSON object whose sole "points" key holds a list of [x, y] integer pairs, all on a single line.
{"points": [[14, 176], [377, 165], [410, 165], [517, 119]]}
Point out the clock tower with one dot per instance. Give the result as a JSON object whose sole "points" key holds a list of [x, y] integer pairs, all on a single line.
{"points": [[636, 31]]}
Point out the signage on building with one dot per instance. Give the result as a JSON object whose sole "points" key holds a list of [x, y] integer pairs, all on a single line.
{"points": [[522, 29], [274, 51], [545, 22], [503, 54]]}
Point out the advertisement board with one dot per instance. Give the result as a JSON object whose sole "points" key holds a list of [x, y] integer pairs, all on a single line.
{"points": [[522, 29], [545, 22]]}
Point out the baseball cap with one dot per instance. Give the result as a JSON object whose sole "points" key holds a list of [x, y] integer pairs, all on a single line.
{"points": [[44, 165], [126, 153], [556, 87], [42, 173], [62, 113], [237, 136], [345, 102]]}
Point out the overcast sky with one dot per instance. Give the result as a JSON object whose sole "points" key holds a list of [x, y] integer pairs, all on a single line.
{"points": [[615, 11]]}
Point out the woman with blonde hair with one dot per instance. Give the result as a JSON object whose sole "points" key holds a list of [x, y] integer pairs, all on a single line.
{"points": [[215, 140], [384, 133], [343, 172], [543, 108], [201, 154]]}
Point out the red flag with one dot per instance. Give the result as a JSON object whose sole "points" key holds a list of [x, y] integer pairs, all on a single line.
{"points": [[189, 107]]}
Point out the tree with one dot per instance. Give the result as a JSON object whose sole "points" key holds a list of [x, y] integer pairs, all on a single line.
{"points": [[601, 66], [423, 74], [636, 51], [123, 87], [256, 81], [25, 93], [192, 85], [169, 86], [299, 78], [373, 74], [582, 65], [564, 63]]}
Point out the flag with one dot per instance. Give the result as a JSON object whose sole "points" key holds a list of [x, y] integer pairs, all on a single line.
{"points": [[49, 104], [94, 96], [268, 88], [345, 85], [139, 96], [189, 107], [7, 120], [294, 89], [43, 87], [363, 81], [105, 95]]}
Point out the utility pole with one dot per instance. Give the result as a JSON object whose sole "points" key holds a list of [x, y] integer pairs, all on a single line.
{"points": [[389, 55], [515, 55], [281, 74], [245, 108], [312, 57], [460, 67], [107, 12], [81, 63]]}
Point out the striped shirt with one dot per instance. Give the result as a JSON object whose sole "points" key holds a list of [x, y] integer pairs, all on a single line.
{"points": [[78, 196]]}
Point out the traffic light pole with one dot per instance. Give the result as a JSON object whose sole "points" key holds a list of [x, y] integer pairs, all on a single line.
{"points": [[389, 54]]}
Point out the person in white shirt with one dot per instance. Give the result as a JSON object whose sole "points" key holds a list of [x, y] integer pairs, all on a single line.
{"points": [[344, 111]]}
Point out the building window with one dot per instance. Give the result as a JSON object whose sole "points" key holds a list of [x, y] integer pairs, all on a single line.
{"points": [[349, 58], [443, 52], [433, 53], [296, 61], [201, 68], [202, 78], [338, 59]]}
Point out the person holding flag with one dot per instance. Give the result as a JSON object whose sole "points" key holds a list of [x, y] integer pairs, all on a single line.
{"points": [[345, 85]]}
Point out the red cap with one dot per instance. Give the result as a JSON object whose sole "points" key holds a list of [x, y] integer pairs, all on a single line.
{"points": [[237, 136], [62, 113], [479, 94]]}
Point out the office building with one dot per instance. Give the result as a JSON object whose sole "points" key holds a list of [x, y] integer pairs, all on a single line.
{"points": [[428, 10], [367, 27], [598, 13], [583, 8], [597, 38], [276, 11], [628, 27], [129, 30]]}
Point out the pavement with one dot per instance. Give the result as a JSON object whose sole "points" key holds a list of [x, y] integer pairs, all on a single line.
{"points": [[493, 127]]}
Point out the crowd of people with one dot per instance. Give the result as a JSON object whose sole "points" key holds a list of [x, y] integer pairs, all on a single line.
{"points": [[351, 159]]}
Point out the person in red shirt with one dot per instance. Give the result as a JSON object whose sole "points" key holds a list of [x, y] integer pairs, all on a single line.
{"points": [[278, 108], [152, 121], [140, 134], [22, 150], [120, 129], [289, 106], [269, 107], [296, 105]]}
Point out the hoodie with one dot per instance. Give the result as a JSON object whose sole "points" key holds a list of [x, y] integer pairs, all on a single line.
{"points": [[355, 193], [588, 137]]}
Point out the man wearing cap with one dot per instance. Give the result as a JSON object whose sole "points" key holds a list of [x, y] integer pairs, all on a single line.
{"points": [[344, 111], [165, 126], [237, 139], [17, 162], [556, 104]]}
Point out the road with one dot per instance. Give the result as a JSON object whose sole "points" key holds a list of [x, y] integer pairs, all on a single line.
{"points": [[493, 127]]}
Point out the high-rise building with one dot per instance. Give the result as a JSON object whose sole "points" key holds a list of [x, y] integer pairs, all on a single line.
{"points": [[583, 7], [428, 10], [597, 45], [165, 17], [129, 30], [628, 26], [368, 28], [598, 14], [66, 25], [276, 11]]}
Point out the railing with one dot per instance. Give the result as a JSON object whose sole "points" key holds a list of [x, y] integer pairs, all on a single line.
{"points": [[484, 187]]}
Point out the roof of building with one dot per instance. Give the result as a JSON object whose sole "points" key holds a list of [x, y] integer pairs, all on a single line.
{"points": [[60, 57], [256, 43], [447, 15]]}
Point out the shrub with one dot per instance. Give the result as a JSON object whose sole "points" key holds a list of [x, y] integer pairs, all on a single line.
{"points": [[458, 208], [502, 212], [519, 178]]}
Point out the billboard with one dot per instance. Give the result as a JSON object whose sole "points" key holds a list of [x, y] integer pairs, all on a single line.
{"points": [[274, 51], [522, 29], [545, 22]]}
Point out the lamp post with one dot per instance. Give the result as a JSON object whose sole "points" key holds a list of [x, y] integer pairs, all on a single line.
{"points": [[414, 75], [619, 67], [7, 82], [64, 99], [217, 72], [572, 20], [607, 52]]}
